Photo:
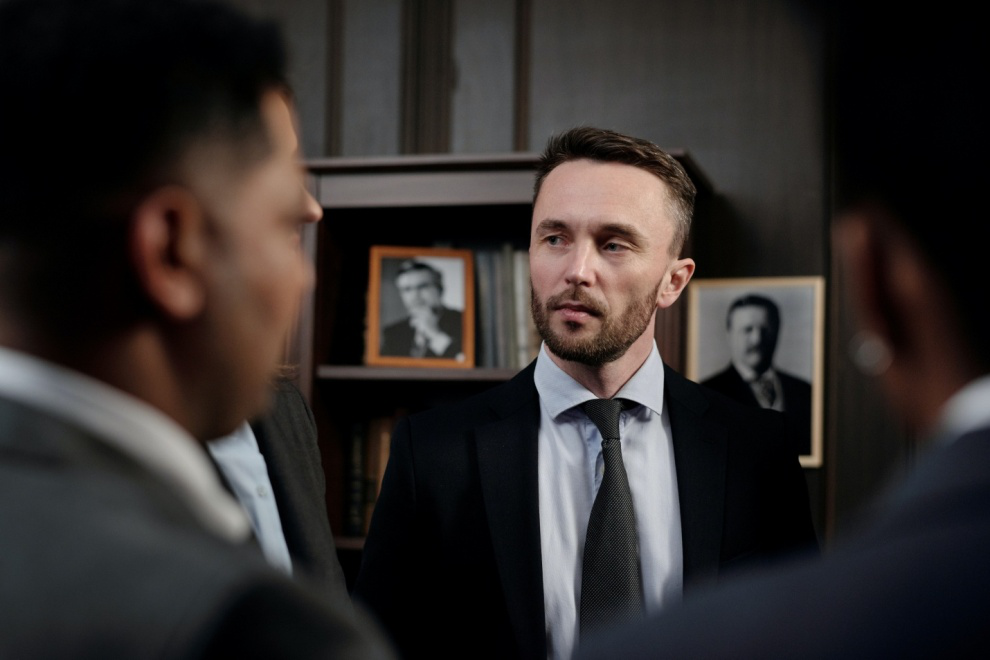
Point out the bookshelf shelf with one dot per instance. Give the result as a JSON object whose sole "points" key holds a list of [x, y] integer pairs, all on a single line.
{"points": [[333, 372]]}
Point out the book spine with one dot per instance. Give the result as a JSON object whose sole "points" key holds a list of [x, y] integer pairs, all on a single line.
{"points": [[354, 497]]}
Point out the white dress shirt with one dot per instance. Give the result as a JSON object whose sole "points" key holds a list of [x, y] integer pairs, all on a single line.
{"points": [[967, 410], [570, 472], [243, 466], [132, 427]]}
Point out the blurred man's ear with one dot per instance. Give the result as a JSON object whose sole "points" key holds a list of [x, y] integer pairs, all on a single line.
{"points": [[168, 251]]}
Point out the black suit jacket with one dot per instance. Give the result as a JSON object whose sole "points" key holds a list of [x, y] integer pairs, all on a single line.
{"points": [[912, 583], [797, 401], [99, 558], [452, 563], [288, 441]]}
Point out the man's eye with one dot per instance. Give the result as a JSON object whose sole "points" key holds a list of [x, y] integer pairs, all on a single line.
{"points": [[613, 247], [554, 240]]}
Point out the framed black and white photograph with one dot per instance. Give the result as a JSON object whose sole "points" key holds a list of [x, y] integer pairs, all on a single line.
{"points": [[420, 307], [761, 341]]}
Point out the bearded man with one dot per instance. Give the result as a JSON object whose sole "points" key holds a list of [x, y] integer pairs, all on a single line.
{"points": [[513, 522]]}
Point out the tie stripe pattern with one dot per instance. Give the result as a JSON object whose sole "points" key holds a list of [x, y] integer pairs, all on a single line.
{"points": [[611, 578]]}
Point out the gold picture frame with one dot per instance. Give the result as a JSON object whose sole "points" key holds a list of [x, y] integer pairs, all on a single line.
{"points": [[420, 307]]}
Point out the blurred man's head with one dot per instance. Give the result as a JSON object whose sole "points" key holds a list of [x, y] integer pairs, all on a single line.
{"points": [[151, 197], [753, 325], [911, 131], [420, 286]]}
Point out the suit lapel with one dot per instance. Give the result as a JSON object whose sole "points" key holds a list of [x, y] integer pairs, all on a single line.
{"points": [[700, 448], [508, 467]]}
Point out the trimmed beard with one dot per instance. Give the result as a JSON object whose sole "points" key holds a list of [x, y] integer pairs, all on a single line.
{"points": [[611, 341]]}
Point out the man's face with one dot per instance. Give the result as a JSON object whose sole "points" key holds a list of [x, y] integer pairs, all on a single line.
{"points": [[420, 290], [259, 271], [752, 337], [599, 259]]}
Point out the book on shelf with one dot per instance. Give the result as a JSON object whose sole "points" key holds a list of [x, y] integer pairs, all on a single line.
{"points": [[484, 273], [379, 438], [354, 496], [507, 336], [368, 450]]}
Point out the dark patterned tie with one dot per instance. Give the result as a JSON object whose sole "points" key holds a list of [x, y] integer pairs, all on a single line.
{"points": [[611, 580], [768, 389]]}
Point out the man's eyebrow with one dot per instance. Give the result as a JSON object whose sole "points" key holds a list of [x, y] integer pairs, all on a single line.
{"points": [[622, 230], [550, 225]]}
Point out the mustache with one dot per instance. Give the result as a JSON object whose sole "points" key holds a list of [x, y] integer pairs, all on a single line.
{"points": [[576, 296]]}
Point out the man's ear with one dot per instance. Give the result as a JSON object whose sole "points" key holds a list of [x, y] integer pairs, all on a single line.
{"points": [[168, 251], [887, 278], [678, 275]]}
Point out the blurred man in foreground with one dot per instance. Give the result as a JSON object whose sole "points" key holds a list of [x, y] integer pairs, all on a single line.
{"points": [[914, 581], [144, 303]]}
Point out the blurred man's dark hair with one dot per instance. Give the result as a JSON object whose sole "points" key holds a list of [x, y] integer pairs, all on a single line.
{"points": [[99, 103], [911, 134]]}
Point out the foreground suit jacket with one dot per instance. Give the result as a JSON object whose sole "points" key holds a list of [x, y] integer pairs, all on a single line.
{"points": [[287, 440], [452, 564], [100, 559], [797, 401], [913, 583]]}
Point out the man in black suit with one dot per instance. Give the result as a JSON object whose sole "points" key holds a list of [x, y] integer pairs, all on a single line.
{"points": [[431, 329], [144, 306], [912, 581], [752, 327], [475, 547]]}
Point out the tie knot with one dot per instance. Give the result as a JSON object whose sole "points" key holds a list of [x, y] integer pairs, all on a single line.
{"points": [[605, 415]]}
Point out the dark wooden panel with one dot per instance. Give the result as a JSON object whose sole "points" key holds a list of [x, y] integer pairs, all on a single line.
{"points": [[371, 78], [482, 97], [739, 82]]}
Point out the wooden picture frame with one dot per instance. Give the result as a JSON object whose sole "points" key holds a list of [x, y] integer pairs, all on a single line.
{"points": [[420, 307], [722, 357]]}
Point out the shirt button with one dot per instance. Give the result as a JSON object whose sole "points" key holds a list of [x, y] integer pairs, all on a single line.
{"points": [[262, 491]]}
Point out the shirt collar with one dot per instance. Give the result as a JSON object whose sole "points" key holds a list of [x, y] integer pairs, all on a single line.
{"points": [[967, 410], [559, 392], [132, 427]]}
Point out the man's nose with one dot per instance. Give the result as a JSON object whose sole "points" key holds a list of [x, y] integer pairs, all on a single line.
{"points": [[581, 265], [312, 211]]}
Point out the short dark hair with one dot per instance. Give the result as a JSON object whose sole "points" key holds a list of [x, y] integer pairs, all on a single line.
{"points": [[755, 300], [119, 88], [411, 265], [100, 101], [598, 144]]}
